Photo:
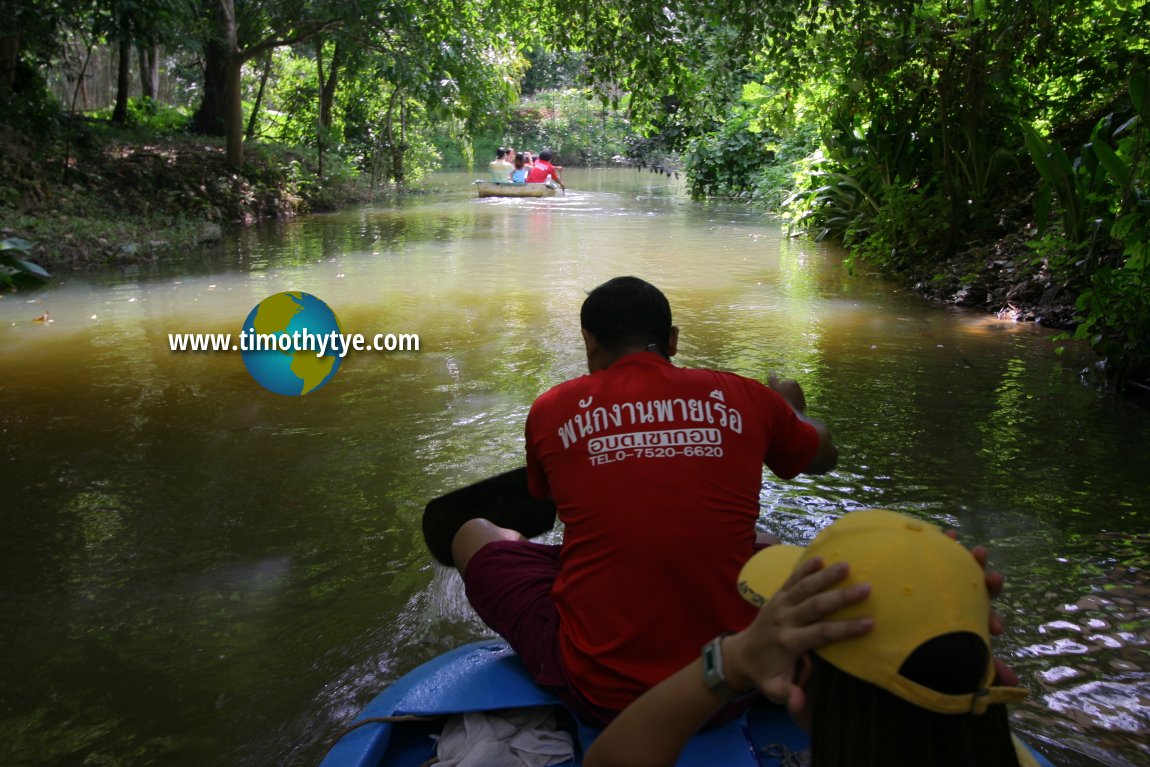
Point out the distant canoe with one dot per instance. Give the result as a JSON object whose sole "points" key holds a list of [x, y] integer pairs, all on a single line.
{"points": [[501, 189]]}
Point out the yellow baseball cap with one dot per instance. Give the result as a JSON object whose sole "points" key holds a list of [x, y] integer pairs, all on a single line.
{"points": [[923, 585]]}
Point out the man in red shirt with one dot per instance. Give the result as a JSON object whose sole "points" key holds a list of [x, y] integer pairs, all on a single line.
{"points": [[543, 168], [656, 472]]}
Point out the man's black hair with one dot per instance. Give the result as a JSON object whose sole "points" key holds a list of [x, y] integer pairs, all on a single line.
{"points": [[500, 152], [627, 312], [545, 155]]}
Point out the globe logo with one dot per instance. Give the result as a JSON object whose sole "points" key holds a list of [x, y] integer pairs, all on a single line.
{"points": [[272, 350]]}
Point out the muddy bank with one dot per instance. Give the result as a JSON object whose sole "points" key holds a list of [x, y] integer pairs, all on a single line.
{"points": [[95, 196], [1005, 278]]}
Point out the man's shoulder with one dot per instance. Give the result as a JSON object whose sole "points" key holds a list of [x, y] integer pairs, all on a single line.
{"points": [[726, 384], [560, 401], [571, 387], [722, 375], [596, 383]]}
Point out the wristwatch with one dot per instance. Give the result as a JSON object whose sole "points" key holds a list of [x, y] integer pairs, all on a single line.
{"points": [[713, 668]]}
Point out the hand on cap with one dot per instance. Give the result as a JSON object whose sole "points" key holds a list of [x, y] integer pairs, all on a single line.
{"points": [[767, 652], [1004, 675]]}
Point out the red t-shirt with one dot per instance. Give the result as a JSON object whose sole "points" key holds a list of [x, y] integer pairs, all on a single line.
{"points": [[656, 472], [539, 171]]}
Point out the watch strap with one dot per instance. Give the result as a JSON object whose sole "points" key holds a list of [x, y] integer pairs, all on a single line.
{"points": [[713, 668]]}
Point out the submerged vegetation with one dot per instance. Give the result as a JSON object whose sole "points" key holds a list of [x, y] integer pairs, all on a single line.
{"points": [[991, 153]]}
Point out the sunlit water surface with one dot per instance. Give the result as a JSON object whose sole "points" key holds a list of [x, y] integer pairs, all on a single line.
{"points": [[196, 571]]}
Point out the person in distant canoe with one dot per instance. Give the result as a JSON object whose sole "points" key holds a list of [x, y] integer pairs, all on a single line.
{"points": [[543, 168], [519, 174], [500, 167], [654, 469]]}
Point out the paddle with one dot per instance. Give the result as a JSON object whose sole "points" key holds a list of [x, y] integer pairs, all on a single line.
{"points": [[502, 499]]}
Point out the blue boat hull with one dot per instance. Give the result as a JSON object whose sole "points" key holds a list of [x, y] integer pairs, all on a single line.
{"points": [[488, 676]]}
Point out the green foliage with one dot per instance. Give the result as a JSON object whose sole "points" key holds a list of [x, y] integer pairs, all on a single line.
{"points": [[156, 117], [1083, 188], [759, 154], [912, 103], [1104, 198], [903, 233], [868, 188], [28, 107], [571, 124], [402, 97], [935, 89], [452, 146], [16, 270], [388, 135], [151, 117], [916, 105], [291, 105], [551, 71], [724, 162]]}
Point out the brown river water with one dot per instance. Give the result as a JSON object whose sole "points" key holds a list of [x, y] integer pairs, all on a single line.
{"points": [[195, 571]]}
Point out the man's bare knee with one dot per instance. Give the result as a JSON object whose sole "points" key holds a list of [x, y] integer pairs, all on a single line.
{"points": [[473, 535]]}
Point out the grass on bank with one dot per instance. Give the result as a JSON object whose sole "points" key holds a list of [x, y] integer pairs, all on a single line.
{"points": [[85, 191]]}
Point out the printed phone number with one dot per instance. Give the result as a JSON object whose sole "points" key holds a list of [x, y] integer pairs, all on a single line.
{"points": [[701, 451]]}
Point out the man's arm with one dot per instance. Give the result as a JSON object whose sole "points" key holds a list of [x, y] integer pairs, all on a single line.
{"points": [[827, 455], [537, 484], [653, 730]]}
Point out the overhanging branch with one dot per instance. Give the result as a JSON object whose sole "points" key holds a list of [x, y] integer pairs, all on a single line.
{"points": [[306, 32]]}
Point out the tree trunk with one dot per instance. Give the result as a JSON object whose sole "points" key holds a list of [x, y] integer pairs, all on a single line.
{"points": [[327, 88], [250, 133], [389, 132], [123, 81], [319, 129], [235, 114], [400, 156], [209, 119], [9, 55], [221, 111], [149, 71]]}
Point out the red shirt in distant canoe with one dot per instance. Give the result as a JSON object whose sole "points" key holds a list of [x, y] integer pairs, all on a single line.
{"points": [[539, 172]]}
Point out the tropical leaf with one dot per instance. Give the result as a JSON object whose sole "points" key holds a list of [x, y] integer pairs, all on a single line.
{"points": [[1115, 165], [1140, 94]]}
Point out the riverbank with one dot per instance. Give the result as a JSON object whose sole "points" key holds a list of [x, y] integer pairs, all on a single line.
{"points": [[1002, 275], [102, 195]]}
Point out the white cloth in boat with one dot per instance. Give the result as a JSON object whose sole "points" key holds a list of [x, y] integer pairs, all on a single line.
{"points": [[516, 737]]}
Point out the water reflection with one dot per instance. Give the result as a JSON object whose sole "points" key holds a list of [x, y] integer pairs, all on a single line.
{"points": [[195, 570]]}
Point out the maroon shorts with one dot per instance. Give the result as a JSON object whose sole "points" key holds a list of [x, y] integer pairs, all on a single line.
{"points": [[509, 585]]}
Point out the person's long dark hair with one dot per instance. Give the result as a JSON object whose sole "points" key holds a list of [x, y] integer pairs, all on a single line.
{"points": [[856, 724]]}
